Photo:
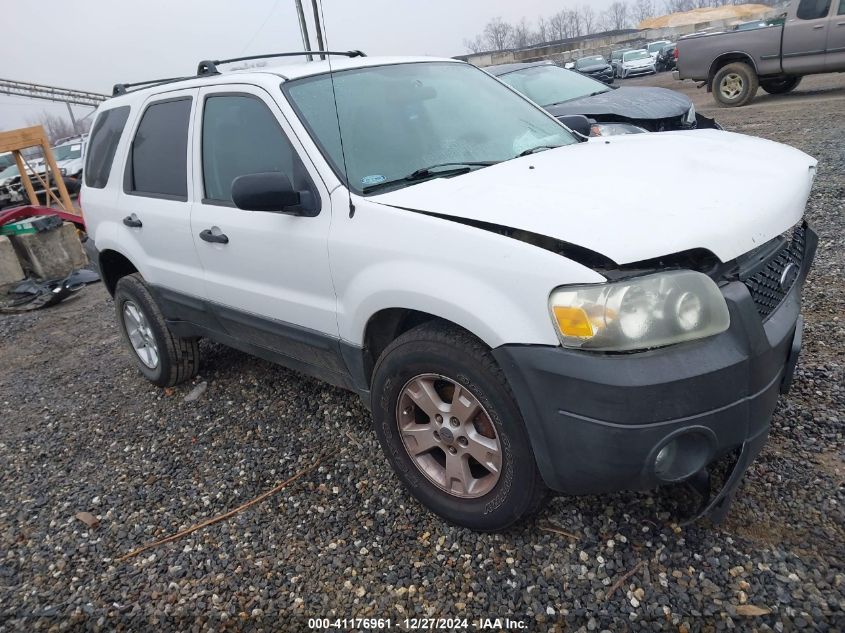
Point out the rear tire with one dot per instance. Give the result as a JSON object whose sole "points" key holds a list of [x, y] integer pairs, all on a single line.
{"points": [[781, 85], [735, 85], [440, 361], [164, 359]]}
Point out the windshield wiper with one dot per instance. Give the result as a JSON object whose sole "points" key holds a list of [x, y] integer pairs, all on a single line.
{"points": [[532, 150], [431, 171]]}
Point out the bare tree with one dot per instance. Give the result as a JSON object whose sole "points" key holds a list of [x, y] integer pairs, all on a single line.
{"points": [[55, 126], [616, 16], [557, 25], [643, 10], [588, 19], [498, 34], [573, 23], [521, 35], [543, 29], [475, 45]]}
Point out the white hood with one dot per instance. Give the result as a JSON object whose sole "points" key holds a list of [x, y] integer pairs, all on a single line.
{"points": [[726, 193]]}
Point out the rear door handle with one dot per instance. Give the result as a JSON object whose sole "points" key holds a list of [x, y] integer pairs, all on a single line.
{"points": [[818, 26], [132, 221], [214, 238]]}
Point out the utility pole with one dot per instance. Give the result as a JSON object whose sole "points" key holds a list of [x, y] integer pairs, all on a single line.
{"points": [[320, 46], [303, 28]]}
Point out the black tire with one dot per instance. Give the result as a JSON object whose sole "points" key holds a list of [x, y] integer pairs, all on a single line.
{"points": [[440, 348], [178, 358], [780, 86], [744, 82]]}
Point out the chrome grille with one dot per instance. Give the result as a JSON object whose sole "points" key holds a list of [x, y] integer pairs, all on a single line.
{"points": [[765, 285]]}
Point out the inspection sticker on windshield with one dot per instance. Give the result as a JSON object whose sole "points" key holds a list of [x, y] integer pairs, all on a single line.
{"points": [[372, 180]]}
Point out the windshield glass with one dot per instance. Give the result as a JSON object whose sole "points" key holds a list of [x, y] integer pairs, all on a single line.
{"points": [[67, 152], [635, 55], [548, 85], [590, 61], [618, 54], [656, 46], [9, 172], [399, 118]]}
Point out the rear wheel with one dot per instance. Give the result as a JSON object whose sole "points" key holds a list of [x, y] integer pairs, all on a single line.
{"points": [[781, 85], [735, 85], [164, 359], [452, 431]]}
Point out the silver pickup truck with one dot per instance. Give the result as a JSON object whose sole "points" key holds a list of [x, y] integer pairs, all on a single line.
{"points": [[808, 39]]}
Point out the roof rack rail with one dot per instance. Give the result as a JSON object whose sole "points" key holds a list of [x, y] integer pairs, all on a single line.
{"points": [[122, 89], [209, 67]]}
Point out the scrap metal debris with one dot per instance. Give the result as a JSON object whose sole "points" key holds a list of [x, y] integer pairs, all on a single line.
{"points": [[33, 294]]}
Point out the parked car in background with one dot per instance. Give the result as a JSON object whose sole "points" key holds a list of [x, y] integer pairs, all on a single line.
{"points": [[635, 63], [666, 58], [654, 48], [774, 56], [70, 155], [520, 309], [13, 191], [616, 59], [613, 110], [596, 67]]}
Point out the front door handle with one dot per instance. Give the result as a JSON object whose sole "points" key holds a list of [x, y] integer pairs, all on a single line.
{"points": [[214, 238], [132, 221], [818, 26]]}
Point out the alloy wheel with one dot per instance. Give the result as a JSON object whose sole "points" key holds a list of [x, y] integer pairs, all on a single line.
{"points": [[140, 334], [731, 86], [449, 436]]}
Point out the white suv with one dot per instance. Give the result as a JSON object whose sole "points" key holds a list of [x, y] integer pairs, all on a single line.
{"points": [[419, 233]]}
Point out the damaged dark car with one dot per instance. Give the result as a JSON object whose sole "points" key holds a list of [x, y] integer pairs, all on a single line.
{"points": [[596, 67], [611, 111]]}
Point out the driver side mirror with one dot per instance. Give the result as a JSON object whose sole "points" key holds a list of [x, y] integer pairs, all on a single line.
{"points": [[578, 123], [273, 192]]}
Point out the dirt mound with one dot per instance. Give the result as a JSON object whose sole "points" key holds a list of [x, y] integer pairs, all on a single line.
{"points": [[739, 12]]}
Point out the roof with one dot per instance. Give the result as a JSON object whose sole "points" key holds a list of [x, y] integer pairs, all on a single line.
{"points": [[504, 69], [286, 71]]}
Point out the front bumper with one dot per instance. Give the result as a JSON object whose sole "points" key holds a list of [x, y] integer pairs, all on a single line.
{"points": [[598, 421], [642, 70]]}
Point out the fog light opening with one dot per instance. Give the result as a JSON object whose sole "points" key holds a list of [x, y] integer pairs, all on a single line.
{"points": [[682, 456]]}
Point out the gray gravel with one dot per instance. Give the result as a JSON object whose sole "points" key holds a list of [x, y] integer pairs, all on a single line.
{"points": [[81, 431]]}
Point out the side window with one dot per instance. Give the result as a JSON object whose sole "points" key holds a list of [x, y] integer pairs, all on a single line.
{"points": [[841, 7], [813, 9], [102, 145], [240, 135], [158, 160]]}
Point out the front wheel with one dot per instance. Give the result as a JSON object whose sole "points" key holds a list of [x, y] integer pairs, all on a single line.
{"points": [[735, 85], [452, 431], [780, 86]]}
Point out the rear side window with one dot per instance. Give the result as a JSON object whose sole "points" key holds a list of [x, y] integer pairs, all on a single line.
{"points": [[841, 7], [240, 135], [102, 145], [813, 9], [158, 160]]}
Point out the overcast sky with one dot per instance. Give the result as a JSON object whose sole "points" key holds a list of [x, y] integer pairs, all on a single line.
{"points": [[93, 44]]}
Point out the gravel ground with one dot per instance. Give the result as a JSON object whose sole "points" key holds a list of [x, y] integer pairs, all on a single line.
{"points": [[81, 431]]}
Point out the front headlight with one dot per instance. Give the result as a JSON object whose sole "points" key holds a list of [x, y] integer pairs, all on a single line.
{"points": [[615, 129], [639, 313], [689, 119]]}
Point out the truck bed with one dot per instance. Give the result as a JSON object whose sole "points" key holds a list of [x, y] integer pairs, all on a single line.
{"points": [[696, 53]]}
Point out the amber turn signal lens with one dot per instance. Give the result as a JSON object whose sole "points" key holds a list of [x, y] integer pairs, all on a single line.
{"points": [[573, 322]]}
